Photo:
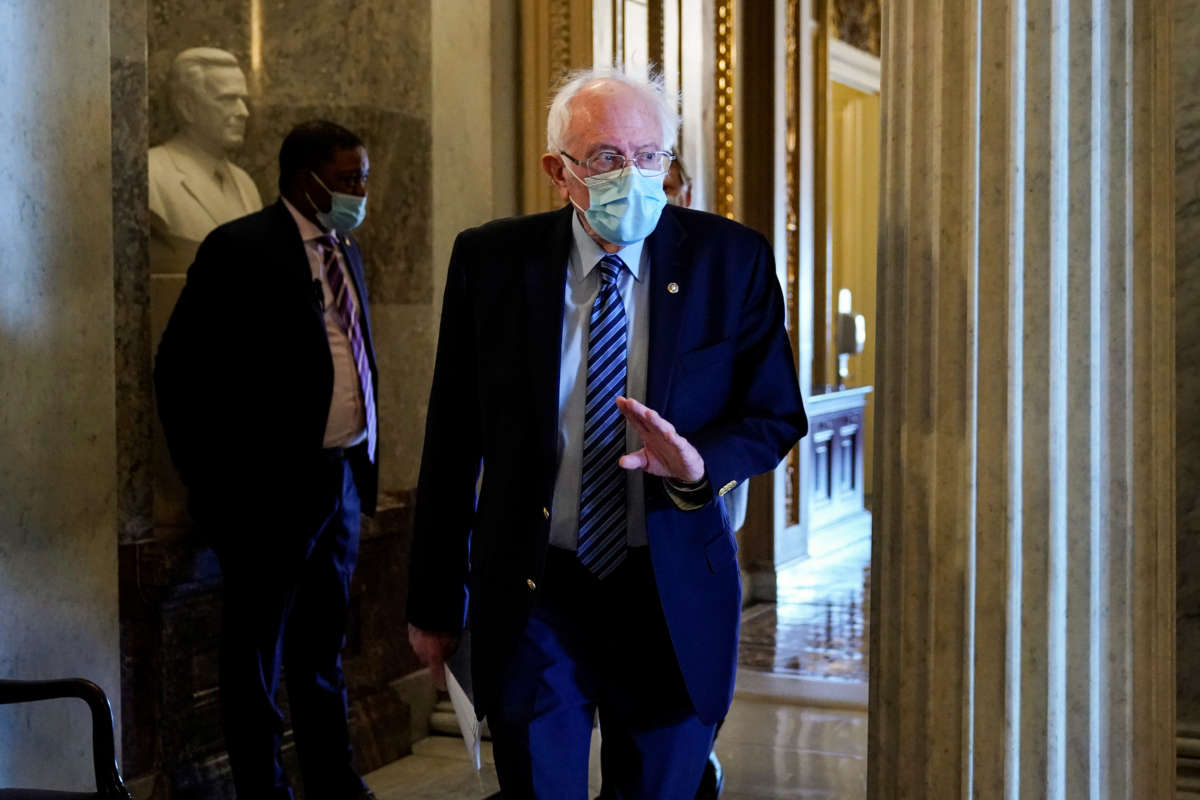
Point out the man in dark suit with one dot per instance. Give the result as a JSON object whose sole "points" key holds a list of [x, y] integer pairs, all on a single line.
{"points": [[266, 385], [614, 369]]}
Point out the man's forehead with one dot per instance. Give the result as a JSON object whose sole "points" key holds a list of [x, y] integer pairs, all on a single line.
{"points": [[605, 116], [350, 159]]}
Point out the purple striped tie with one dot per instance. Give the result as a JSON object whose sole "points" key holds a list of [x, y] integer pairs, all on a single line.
{"points": [[344, 305]]}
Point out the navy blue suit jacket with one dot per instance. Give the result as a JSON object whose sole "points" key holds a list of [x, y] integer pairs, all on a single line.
{"points": [[720, 369], [243, 376]]}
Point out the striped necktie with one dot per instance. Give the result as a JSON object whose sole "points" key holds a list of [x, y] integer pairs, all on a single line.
{"points": [[344, 305], [601, 544]]}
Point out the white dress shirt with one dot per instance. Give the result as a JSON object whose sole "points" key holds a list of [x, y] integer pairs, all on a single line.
{"points": [[582, 286], [347, 422]]}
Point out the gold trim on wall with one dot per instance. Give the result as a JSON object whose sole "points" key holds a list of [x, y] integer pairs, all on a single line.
{"points": [[656, 35], [560, 38], [792, 148], [556, 36], [723, 80], [823, 320]]}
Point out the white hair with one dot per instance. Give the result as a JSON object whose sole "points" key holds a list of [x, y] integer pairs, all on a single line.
{"points": [[651, 88]]}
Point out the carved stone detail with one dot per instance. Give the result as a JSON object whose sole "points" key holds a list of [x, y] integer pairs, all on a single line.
{"points": [[857, 22]]}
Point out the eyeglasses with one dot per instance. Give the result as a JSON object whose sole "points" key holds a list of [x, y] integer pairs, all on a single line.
{"points": [[650, 164]]}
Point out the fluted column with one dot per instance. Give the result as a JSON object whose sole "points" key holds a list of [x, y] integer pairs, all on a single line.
{"points": [[1022, 640], [1186, 36]]}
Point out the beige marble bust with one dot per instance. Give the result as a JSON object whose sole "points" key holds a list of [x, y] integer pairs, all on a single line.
{"points": [[194, 187]]}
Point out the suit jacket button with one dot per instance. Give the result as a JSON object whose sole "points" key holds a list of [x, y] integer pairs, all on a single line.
{"points": [[727, 488], [532, 586], [546, 512]]}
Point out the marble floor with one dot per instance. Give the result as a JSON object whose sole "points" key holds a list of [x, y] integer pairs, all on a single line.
{"points": [[769, 750], [798, 724], [817, 626]]}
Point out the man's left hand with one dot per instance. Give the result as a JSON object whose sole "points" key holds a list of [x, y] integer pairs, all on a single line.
{"points": [[664, 452]]}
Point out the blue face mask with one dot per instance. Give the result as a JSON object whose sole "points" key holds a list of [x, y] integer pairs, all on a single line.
{"points": [[346, 211], [625, 204]]}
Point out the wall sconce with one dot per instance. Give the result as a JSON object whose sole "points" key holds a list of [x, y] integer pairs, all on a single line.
{"points": [[850, 334]]}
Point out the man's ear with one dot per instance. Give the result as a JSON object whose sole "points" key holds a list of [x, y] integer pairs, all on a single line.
{"points": [[553, 166]]}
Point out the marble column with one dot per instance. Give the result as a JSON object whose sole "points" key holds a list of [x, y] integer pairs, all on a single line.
{"points": [[135, 418], [131, 221], [58, 490], [1187, 354], [1023, 599]]}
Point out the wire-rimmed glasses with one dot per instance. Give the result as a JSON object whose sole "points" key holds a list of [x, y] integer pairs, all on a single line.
{"points": [[651, 164]]}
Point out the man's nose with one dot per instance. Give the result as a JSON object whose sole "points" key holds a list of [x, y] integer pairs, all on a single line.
{"points": [[240, 110]]}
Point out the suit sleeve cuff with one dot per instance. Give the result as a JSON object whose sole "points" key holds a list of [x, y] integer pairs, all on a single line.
{"points": [[688, 496]]}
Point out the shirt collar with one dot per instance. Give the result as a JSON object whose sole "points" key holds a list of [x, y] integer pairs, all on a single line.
{"points": [[308, 231], [586, 254]]}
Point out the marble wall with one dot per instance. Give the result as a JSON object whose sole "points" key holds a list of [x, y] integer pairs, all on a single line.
{"points": [[131, 220], [58, 519], [1187, 355]]}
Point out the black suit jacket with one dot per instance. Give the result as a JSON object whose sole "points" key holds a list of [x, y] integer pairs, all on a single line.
{"points": [[720, 368], [243, 375]]}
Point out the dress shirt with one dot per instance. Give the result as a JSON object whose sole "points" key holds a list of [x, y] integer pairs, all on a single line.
{"points": [[347, 422], [582, 286]]}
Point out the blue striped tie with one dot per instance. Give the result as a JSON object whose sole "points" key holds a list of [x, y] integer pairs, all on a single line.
{"points": [[601, 546]]}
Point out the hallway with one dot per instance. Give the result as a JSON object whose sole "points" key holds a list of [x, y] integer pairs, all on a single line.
{"points": [[798, 724]]}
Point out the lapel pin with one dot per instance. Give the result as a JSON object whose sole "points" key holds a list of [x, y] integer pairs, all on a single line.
{"points": [[673, 287]]}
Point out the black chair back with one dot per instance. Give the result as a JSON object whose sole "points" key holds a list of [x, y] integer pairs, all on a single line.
{"points": [[109, 784]]}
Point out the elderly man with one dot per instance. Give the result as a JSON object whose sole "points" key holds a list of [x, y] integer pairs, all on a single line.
{"points": [[194, 187], [614, 368]]}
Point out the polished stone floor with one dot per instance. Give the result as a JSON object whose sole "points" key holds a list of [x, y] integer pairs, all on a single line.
{"points": [[769, 749], [798, 725], [817, 627]]}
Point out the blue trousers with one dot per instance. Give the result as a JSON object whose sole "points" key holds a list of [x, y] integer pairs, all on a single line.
{"points": [[597, 645], [286, 597]]}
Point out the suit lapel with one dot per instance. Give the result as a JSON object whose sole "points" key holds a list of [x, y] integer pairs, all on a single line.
{"points": [[545, 276], [295, 271], [666, 307], [294, 256], [242, 188], [196, 186]]}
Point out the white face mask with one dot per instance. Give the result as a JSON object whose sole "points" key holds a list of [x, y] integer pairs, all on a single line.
{"points": [[346, 211]]}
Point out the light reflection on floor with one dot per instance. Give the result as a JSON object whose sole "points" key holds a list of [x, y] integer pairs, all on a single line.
{"points": [[817, 626]]}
